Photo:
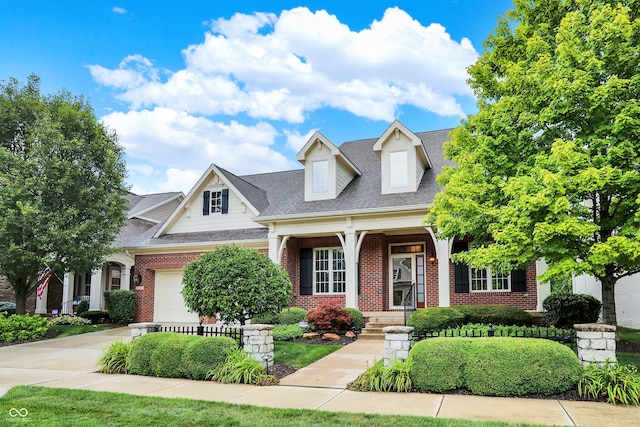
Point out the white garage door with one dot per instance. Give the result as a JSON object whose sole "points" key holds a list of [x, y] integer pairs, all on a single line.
{"points": [[169, 305]]}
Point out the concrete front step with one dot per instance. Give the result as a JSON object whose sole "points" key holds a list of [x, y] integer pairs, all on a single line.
{"points": [[371, 336]]}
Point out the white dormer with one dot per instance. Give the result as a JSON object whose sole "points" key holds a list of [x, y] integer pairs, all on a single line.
{"points": [[326, 170], [403, 159]]}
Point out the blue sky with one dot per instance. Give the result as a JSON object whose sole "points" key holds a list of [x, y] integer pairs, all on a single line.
{"points": [[244, 84]]}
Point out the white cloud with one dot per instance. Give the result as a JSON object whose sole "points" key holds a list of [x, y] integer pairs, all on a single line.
{"points": [[179, 179], [173, 139], [283, 67], [119, 10], [295, 141]]}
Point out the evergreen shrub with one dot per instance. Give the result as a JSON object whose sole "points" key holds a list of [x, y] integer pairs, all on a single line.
{"points": [[121, 305], [291, 315], [496, 315], [357, 319], [435, 318], [565, 310], [494, 366], [203, 354], [96, 316]]}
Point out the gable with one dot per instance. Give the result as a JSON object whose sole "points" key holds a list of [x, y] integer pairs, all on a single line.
{"points": [[214, 204]]}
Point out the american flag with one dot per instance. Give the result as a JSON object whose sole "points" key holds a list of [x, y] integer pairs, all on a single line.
{"points": [[43, 281]]}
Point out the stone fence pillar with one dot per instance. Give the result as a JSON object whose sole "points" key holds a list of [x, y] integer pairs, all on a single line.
{"points": [[258, 342], [139, 329], [596, 343], [397, 343]]}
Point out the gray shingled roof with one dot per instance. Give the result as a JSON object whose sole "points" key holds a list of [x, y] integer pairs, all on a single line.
{"points": [[282, 193], [285, 190], [148, 200]]}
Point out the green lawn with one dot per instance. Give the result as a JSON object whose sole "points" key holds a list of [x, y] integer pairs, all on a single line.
{"points": [[300, 355], [631, 335], [68, 330], [63, 407]]}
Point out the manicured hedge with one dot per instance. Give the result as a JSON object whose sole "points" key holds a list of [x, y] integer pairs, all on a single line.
{"points": [[172, 355], [121, 305], [435, 318], [291, 315], [494, 366], [96, 316], [496, 315]]}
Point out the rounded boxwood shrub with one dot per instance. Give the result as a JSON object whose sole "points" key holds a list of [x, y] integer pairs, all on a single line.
{"points": [[264, 319], [496, 315], [494, 366], [565, 310], [203, 354], [435, 318], [287, 332], [357, 319], [141, 350], [166, 358], [291, 315], [437, 364]]}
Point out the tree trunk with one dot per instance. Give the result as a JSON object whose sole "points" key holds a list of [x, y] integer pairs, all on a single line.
{"points": [[21, 292], [609, 301]]}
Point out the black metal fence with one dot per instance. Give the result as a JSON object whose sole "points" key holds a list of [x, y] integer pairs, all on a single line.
{"points": [[568, 337], [207, 331]]}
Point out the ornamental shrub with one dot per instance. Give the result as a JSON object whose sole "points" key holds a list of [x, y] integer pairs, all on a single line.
{"points": [[291, 315], [496, 315], [287, 332], [329, 316], [142, 348], [96, 316], [83, 306], [357, 320], [69, 320], [566, 310], [121, 305], [203, 354], [494, 366], [173, 355], [435, 318], [264, 319], [437, 364], [17, 327], [114, 358]]}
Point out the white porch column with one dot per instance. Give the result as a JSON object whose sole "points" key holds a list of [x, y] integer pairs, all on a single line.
{"points": [[125, 276], [41, 303], [443, 253], [349, 247], [95, 299], [67, 293], [274, 243]]}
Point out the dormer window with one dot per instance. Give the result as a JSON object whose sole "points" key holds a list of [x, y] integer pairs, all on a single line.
{"points": [[398, 173], [403, 159], [326, 170], [320, 177]]}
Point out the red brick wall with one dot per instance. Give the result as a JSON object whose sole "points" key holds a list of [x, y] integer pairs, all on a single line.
{"points": [[374, 278], [525, 300], [7, 294]]}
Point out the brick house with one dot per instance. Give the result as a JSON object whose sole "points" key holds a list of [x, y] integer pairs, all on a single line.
{"points": [[347, 227]]}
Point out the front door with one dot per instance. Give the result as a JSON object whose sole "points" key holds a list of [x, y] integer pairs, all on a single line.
{"points": [[407, 284]]}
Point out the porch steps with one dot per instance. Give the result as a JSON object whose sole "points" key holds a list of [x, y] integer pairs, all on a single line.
{"points": [[377, 321]]}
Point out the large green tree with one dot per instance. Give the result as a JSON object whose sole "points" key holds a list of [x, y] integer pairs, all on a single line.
{"points": [[61, 185], [549, 167], [236, 283]]}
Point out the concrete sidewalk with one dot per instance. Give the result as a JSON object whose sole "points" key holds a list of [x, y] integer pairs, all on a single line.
{"points": [[71, 363]]}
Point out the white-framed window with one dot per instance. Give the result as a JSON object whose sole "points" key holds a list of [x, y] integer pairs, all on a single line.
{"points": [[398, 173], [484, 280], [329, 271], [216, 202], [320, 177]]}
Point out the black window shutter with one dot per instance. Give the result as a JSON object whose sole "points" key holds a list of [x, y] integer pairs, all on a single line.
{"points": [[519, 280], [206, 202], [306, 271], [460, 270], [225, 201], [461, 277]]}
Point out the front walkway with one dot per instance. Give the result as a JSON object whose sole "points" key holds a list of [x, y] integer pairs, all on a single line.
{"points": [[71, 363]]}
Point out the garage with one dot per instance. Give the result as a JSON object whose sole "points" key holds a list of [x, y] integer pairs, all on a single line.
{"points": [[168, 305]]}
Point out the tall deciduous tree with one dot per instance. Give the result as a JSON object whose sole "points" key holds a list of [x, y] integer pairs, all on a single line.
{"points": [[235, 283], [61, 185], [550, 165]]}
